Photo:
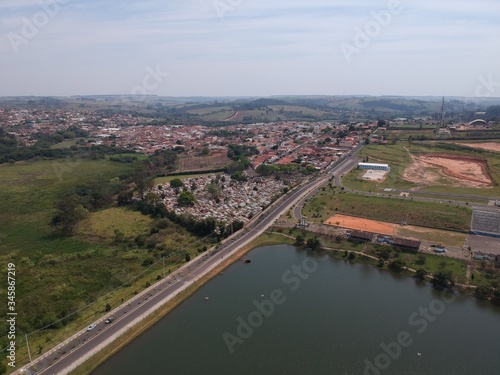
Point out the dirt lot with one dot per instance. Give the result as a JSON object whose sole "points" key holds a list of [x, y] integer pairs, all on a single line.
{"points": [[490, 146], [351, 222], [445, 170]]}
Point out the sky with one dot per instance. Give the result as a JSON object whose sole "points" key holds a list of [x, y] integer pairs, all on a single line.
{"points": [[250, 47]]}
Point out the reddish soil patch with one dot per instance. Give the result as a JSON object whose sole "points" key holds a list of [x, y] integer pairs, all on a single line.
{"points": [[449, 170], [367, 225]]}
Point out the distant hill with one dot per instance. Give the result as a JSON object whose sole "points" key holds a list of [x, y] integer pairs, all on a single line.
{"points": [[223, 111]]}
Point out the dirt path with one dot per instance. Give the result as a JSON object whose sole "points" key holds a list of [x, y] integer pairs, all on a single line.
{"points": [[232, 117]]}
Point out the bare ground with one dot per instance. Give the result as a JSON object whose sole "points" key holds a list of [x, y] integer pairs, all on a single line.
{"points": [[449, 170]]}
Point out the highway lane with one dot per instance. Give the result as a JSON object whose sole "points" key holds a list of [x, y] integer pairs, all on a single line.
{"points": [[85, 343], [336, 172]]}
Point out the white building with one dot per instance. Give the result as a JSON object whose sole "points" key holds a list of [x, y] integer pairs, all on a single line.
{"points": [[380, 167]]}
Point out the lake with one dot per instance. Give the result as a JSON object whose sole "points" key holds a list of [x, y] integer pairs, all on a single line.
{"points": [[292, 312]]}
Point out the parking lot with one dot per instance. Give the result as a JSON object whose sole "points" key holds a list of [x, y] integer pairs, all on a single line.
{"points": [[483, 244]]}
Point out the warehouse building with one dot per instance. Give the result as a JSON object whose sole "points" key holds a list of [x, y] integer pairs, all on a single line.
{"points": [[380, 167]]}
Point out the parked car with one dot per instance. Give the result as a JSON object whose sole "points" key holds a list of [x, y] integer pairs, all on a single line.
{"points": [[109, 320], [91, 327]]}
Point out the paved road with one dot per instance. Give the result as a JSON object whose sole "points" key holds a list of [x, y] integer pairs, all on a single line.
{"points": [[84, 344]]}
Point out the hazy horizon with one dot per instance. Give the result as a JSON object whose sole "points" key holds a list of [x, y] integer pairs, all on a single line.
{"points": [[241, 48]]}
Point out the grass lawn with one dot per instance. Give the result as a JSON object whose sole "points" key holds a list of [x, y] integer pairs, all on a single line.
{"points": [[433, 263]]}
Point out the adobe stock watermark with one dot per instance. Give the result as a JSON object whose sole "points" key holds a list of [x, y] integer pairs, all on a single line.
{"points": [[150, 82], [486, 87], [224, 6], [419, 320], [372, 29], [265, 308], [31, 26]]}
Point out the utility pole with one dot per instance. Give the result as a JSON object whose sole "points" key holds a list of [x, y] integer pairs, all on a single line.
{"points": [[442, 114]]}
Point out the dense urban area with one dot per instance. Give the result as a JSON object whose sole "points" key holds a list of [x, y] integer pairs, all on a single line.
{"points": [[136, 189]]}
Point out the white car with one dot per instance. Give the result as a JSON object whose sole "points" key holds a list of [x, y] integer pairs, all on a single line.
{"points": [[91, 327]]}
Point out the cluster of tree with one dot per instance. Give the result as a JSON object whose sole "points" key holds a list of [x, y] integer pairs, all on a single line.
{"points": [[11, 151], [205, 227], [124, 158], [237, 152], [398, 265], [161, 162], [276, 170], [72, 207], [240, 165], [312, 243], [99, 193], [443, 278], [46, 140], [69, 212], [488, 293]]}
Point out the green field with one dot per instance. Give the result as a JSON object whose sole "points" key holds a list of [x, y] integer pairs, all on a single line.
{"points": [[111, 251], [427, 214]]}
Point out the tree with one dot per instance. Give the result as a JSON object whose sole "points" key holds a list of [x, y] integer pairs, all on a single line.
{"points": [[3, 368], [442, 279], [398, 265], [313, 244], [186, 198], [239, 176], [125, 198], [188, 257], [299, 240], [176, 183], [213, 190], [421, 259], [351, 256], [420, 274], [142, 183], [483, 292], [108, 307], [69, 213]]}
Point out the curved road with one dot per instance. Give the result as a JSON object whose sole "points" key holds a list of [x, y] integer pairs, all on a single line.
{"points": [[83, 345]]}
